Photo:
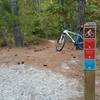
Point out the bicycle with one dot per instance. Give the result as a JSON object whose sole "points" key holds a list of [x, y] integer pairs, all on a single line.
{"points": [[76, 39]]}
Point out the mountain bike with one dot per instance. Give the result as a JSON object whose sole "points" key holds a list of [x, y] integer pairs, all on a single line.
{"points": [[76, 39]]}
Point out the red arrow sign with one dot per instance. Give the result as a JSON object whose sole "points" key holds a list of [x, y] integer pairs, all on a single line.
{"points": [[89, 54], [89, 43]]}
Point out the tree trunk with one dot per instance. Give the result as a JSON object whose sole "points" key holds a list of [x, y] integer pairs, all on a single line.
{"points": [[61, 2], [37, 6], [17, 35], [81, 12], [51, 1], [16, 31], [3, 35]]}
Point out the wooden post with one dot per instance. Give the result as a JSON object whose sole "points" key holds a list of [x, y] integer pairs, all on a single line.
{"points": [[89, 85], [89, 59]]}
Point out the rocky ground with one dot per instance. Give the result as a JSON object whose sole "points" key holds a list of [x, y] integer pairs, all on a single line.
{"points": [[21, 83], [41, 73]]}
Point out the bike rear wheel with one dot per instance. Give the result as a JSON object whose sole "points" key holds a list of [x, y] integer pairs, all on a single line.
{"points": [[80, 46], [61, 42]]}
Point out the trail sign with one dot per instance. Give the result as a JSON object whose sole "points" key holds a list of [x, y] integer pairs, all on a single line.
{"points": [[89, 59], [89, 45]]}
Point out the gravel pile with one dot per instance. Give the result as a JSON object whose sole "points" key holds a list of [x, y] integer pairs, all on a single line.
{"points": [[22, 82]]}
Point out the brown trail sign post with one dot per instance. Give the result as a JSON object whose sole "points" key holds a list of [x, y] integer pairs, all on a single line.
{"points": [[89, 59]]}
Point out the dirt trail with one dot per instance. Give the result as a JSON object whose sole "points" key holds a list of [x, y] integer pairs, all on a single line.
{"points": [[43, 55]]}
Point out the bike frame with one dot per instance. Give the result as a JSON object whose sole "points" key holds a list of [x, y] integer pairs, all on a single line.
{"points": [[67, 32]]}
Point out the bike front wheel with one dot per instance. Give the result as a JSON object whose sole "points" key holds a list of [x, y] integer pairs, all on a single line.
{"points": [[61, 42]]}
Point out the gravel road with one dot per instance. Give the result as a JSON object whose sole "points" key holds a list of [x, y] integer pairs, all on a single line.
{"points": [[23, 82]]}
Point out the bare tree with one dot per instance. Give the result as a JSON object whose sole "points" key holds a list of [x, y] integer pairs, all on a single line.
{"points": [[61, 2], [3, 34], [37, 6], [81, 12], [16, 31]]}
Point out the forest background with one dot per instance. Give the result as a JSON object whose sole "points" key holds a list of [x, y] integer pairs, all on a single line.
{"points": [[28, 22]]}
